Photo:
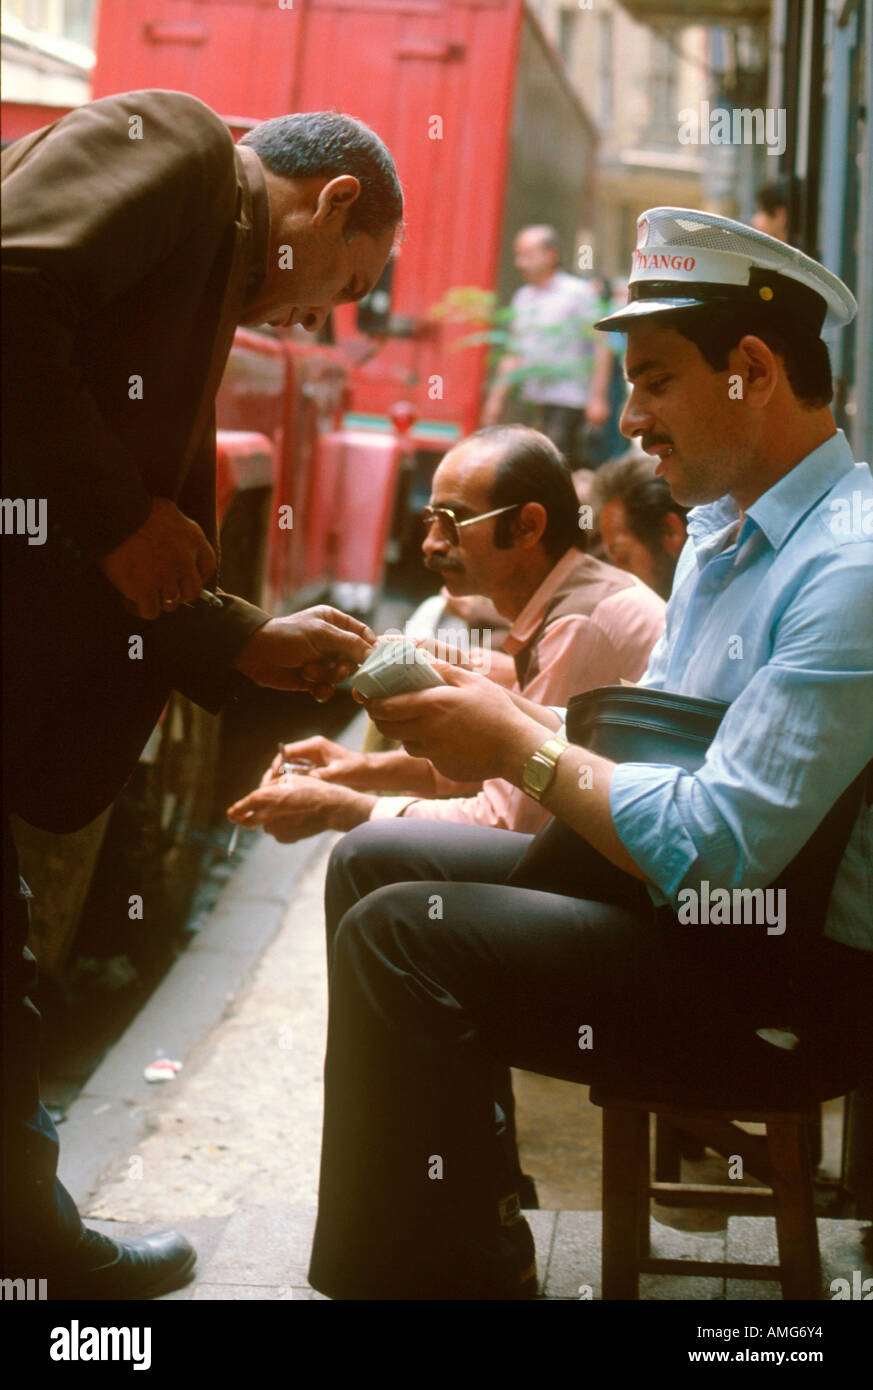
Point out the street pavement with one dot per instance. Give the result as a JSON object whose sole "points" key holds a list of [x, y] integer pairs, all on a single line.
{"points": [[228, 1152]]}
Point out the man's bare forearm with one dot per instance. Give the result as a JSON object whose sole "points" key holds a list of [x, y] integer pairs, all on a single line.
{"points": [[500, 386], [603, 369], [540, 713], [350, 810], [507, 366], [579, 794], [396, 771]]}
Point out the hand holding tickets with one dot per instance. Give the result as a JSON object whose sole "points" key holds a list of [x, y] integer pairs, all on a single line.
{"points": [[395, 667]]}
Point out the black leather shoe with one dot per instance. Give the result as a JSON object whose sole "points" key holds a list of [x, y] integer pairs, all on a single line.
{"points": [[102, 1268]]}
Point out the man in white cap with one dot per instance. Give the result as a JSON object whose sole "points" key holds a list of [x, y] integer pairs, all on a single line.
{"points": [[627, 983]]}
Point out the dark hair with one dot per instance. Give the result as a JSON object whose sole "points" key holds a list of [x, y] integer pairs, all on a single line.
{"points": [[647, 500], [718, 327], [770, 197], [532, 469], [325, 144]]}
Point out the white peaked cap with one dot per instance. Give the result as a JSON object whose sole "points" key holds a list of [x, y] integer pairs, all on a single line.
{"points": [[685, 259]]}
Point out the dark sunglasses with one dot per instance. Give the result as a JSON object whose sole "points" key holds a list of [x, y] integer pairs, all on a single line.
{"points": [[451, 526]]}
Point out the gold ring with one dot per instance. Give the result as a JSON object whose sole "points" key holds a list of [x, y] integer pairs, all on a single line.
{"points": [[169, 602]]}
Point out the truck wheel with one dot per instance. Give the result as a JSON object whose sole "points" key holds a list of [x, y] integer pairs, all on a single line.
{"points": [[180, 791]]}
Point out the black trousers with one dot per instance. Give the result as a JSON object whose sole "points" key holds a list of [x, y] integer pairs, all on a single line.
{"points": [[439, 972], [563, 425], [40, 1222]]}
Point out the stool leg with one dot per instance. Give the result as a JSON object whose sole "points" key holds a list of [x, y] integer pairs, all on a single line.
{"points": [[625, 1137], [644, 1177], [796, 1231], [668, 1153], [816, 1140]]}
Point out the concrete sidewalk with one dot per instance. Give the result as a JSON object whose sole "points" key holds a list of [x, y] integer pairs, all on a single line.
{"points": [[228, 1152]]}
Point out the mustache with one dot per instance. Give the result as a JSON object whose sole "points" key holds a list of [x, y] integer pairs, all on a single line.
{"points": [[443, 566], [650, 441]]}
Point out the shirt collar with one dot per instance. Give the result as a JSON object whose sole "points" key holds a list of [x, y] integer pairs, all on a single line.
{"points": [[255, 214], [531, 616], [777, 511]]}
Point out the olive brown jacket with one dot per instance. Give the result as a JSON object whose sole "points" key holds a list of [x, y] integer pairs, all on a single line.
{"points": [[133, 233]]}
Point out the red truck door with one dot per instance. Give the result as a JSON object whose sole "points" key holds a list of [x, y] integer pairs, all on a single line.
{"points": [[239, 56], [435, 78]]}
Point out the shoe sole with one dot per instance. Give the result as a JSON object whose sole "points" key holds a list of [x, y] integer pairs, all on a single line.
{"points": [[169, 1284]]}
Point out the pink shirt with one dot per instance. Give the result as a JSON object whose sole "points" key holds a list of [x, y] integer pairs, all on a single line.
{"points": [[576, 652]]}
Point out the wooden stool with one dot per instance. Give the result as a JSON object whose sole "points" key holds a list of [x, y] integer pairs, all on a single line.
{"points": [[781, 1159]]}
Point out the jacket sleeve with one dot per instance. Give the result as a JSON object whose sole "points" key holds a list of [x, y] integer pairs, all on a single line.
{"points": [[88, 211], [197, 647]]}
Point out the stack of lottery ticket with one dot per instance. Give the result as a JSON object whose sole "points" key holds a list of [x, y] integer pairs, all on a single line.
{"points": [[395, 667]]}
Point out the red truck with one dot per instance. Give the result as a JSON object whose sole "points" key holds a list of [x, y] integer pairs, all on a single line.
{"points": [[487, 132], [324, 465]]}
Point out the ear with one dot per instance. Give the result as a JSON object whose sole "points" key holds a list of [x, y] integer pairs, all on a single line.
{"points": [[759, 367], [528, 525], [673, 534], [334, 201]]}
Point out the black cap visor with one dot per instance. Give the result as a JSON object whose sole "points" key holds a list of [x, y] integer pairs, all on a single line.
{"points": [[636, 309], [781, 299]]}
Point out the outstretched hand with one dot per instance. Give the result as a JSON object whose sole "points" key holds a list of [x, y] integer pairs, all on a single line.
{"points": [[313, 650], [330, 762], [469, 728], [293, 808]]}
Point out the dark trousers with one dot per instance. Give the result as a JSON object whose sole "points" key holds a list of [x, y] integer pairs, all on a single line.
{"points": [[40, 1222], [563, 425], [444, 972]]}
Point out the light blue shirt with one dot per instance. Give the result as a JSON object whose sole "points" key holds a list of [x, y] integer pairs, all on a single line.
{"points": [[777, 620]]}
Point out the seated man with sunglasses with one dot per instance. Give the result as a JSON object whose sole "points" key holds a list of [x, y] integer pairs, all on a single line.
{"points": [[504, 523]]}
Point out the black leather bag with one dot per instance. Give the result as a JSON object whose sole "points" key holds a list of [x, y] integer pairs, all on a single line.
{"points": [[634, 724]]}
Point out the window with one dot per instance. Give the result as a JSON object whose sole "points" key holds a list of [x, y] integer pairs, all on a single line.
{"points": [[63, 19], [604, 66], [567, 33], [663, 67]]}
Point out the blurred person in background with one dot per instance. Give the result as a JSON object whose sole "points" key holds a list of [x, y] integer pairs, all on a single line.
{"points": [[641, 526], [564, 370], [771, 211], [604, 441]]}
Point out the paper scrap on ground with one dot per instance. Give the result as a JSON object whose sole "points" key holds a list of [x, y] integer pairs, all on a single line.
{"points": [[162, 1070]]}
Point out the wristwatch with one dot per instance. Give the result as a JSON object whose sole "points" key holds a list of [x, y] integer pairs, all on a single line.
{"points": [[541, 766]]}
